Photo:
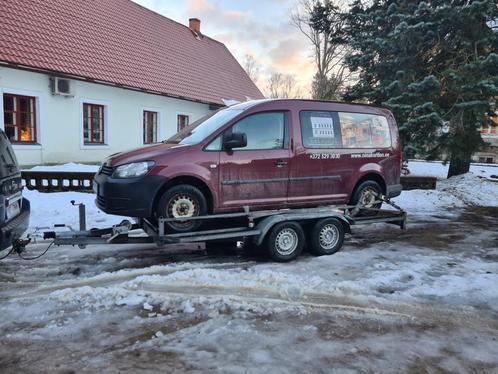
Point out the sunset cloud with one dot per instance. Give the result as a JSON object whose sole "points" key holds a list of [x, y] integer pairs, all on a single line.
{"points": [[259, 28]]}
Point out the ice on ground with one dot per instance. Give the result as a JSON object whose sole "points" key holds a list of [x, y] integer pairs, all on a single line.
{"points": [[440, 171]]}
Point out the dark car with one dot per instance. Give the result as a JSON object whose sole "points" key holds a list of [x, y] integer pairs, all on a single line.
{"points": [[265, 154], [14, 209]]}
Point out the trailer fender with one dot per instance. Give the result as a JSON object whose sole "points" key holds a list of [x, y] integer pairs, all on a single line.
{"points": [[267, 223]]}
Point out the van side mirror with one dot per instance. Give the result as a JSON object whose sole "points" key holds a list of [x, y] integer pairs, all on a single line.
{"points": [[235, 140]]}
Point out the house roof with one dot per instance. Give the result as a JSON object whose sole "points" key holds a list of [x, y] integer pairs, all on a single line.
{"points": [[122, 43]]}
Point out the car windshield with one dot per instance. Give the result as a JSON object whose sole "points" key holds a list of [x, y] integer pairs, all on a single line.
{"points": [[202, 128]]}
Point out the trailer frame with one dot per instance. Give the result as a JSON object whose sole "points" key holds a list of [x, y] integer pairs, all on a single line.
{"points": [[259, 224]]}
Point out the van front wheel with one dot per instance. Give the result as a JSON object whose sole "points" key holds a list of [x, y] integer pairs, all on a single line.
{"points": [[182, 201]]}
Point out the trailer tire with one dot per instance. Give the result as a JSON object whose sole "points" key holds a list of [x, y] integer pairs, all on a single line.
{"points": [[285, 241], [182, 199], [327, 237]]}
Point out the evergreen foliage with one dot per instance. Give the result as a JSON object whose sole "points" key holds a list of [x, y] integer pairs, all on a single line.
{"points": [[434, 63]]}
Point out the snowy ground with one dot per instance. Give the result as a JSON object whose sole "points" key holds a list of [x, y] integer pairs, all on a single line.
{"points": [[421, 300], [440, 171]]}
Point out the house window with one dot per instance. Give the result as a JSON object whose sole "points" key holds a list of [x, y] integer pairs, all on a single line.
{"points": [[20, 118], [93, 124], [150, 127], [182, 121]]}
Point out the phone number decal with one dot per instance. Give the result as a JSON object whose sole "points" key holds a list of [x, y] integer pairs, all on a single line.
{"points": [[325, 156]]}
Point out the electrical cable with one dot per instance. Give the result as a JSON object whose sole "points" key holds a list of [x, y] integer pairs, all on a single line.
{"points": [[8, 253], [35, 257]]}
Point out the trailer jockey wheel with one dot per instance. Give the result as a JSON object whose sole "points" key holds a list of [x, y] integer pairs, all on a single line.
{"points": [[327, 237], [285, 241]]}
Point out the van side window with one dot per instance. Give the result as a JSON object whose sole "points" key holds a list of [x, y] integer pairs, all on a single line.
{"points": [[320, 129], [364, 131], [263, 130], [215, 145]]}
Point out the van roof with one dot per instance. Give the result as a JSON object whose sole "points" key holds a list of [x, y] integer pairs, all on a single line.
{"points": [[252, 103]]}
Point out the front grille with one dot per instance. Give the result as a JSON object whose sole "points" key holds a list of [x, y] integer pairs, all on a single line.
{"points": [[106, 170]]}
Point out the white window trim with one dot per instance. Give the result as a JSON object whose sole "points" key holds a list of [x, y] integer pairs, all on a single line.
{"points": [[189, 115], [159, 130], [107, 114], [40, 115]]}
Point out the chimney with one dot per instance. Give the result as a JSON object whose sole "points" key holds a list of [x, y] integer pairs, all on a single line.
{"points": [[195, 25]]}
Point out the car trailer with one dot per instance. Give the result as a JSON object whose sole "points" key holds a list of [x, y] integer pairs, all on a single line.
{"points": [[281, 234]]}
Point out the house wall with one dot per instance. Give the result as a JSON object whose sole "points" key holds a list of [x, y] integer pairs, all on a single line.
{"points": [[60, 119]]}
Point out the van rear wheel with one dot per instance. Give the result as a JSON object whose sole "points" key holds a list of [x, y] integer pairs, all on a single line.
{"points": [[181, 201], [366, 193]]}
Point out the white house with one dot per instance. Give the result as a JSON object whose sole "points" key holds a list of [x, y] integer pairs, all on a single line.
{"points": [[79, 82]]}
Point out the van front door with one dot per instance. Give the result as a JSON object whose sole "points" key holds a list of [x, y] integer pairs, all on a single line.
{"points": [[257, 174]]}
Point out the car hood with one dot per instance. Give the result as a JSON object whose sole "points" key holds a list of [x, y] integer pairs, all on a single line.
{"points": [[145, 153]]}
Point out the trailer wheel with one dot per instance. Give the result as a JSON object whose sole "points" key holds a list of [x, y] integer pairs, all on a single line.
{"points": [[285, 241], [327, 237], [182, 200]]}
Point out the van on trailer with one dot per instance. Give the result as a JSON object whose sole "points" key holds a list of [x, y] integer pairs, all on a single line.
{"points": [[14, 209], [263, 154]]}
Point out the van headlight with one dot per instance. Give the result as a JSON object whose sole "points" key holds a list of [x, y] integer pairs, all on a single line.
{"points": [[133, 170]]}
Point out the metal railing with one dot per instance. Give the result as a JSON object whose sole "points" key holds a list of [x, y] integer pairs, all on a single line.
{"points": [[57, 181]]}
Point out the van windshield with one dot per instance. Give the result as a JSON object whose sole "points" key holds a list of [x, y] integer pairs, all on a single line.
{"points": [[8, 160], [202, 128]]}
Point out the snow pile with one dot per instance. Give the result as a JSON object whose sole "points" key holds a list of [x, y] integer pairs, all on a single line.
{"points": [[440, 171], [74, 167], [48, 209], [455, 192], [471, 190]]}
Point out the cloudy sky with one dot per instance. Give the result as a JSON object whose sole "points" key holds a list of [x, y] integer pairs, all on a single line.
{"points": [[258, 27]]}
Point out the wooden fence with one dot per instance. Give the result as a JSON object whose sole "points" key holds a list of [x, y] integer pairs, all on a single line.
{"points": [[58, 181]]}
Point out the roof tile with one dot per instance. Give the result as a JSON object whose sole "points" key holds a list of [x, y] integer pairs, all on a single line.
{"points": [[120, 42]]}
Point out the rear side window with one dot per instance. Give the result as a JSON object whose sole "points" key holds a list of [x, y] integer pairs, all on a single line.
{"points": [[320, 129], [364, 130], [344, 130]]}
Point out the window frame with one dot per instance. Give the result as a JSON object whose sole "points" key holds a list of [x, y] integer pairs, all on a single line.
{"points": [[17, 114], [178, 115], [107, 123], [286, 139], [90, 122], [155, 124]]}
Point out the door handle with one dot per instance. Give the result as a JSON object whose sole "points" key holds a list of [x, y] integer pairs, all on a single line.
{"points": [[280, 163]]}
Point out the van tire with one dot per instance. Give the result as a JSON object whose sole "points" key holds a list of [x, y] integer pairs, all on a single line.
{"points": [[183, 199], [361, 189], [327, 237]]}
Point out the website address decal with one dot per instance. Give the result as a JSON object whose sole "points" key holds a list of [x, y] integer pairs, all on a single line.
{"points": [[369, 155]]}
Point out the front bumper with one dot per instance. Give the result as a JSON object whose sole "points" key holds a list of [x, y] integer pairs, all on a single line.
{"points": [[394, 190], [17, 226], [131, 197]]}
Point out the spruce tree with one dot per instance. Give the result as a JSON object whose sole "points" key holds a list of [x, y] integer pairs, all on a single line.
{"points": [[434, 63]]}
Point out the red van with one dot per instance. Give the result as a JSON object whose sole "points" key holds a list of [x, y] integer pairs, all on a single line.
{"points": [[265, 154]]}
